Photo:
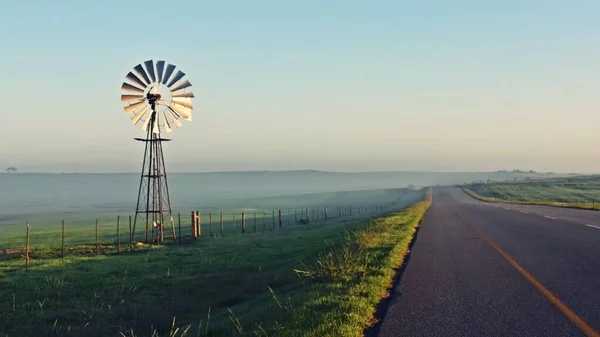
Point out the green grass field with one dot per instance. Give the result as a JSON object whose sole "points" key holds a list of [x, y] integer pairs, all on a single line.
{"points": [[299, 280], [578, 192]]}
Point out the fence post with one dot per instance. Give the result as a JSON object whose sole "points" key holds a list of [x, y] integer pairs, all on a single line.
{"points": [[234, 222], [199, 223], [280, 217], [254, 222], [130, 235], [179, 225], [325, 213], [243, 222], [210, 223], [118, 234], [273, 218], [288, 217], [27, 248], [97, 238], [194, 233], [308, 215], [295, 216], [63, 242], [221, 223], [264, 220]]}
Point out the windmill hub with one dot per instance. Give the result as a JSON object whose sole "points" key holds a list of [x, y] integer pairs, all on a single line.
{"points": [[152, 98], [158, 96]]}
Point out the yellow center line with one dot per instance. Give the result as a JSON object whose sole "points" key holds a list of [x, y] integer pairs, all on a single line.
{"points": [[581, 324]]}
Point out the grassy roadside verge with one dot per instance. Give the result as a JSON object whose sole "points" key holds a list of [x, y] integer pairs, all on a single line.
{"points": [[351, 278], [304, 280], [578, 205]]}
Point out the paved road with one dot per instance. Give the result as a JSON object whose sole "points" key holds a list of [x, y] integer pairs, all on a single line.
{"points": [[463, 276]]}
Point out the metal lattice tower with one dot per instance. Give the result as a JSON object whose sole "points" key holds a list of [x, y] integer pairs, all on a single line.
{"points": [[158, 98]]}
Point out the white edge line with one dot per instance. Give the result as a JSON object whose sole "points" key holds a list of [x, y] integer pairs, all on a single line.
{"points": [[549, 217], [524, 212], [597, 227]]}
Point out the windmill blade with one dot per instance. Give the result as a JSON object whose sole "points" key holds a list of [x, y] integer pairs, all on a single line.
{"points": [[182, 111], [183, 102], [170, 69], [128, 98], [132, 77], [128, 87], [140, 70], [150, 68], [160, 69], [167, 126], [135, 106], [146, 122], [182, 85], [186, 94], [176, 78], [174, 119], [136, 118]]}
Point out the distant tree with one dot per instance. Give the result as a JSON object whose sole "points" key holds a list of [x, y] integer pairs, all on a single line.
{"points": [[11, 169]]}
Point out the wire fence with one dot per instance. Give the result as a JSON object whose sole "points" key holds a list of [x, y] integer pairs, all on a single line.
{"points": [[118, 237]]}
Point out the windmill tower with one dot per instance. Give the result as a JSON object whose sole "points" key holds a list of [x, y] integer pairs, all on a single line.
{"points": [[157, 97]]}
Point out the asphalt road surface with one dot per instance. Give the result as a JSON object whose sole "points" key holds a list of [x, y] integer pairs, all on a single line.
{"points": [[483, 269]]}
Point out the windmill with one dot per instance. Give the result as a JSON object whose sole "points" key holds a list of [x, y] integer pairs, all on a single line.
{"points": [[157, 97]]}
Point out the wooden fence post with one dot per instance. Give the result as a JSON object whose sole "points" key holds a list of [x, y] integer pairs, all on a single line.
{"points": [[280, 217], [63, 242], [307, 215], [130, 235], [97, 246], [27, 248], [243, 222], [325, 213], [179, 225], [199, 223], [194, 232], [210, 223], [254, 222], [221, 223], [273, 217], [118, 234]]}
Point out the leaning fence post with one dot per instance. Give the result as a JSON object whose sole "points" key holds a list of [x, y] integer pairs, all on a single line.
{"points": [[63, 242], [27, 248], [118, 234]]}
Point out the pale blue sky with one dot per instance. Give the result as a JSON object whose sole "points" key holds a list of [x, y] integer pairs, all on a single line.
{"points": [[330, 85]]}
